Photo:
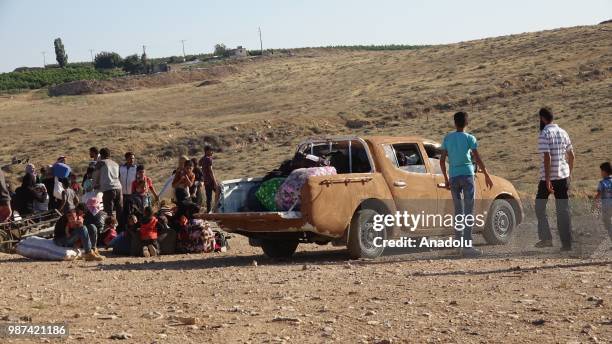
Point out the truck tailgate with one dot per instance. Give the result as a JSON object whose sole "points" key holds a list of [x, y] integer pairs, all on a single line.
{"points": [[280, 221]]}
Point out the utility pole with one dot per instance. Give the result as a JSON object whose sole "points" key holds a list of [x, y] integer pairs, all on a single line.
{"points": [[144, 47], [260, 41], [184, 57], [44, 59], [91, 53]]}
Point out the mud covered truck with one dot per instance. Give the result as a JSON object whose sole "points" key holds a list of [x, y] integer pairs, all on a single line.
{"points": [[373, 176]]}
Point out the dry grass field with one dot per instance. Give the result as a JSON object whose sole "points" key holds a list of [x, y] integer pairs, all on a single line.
{"points": [[256, 114]]}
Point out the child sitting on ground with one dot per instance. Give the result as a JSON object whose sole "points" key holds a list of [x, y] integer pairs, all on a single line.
{"points": [[148, 233], [603, 198], [109, 232]]}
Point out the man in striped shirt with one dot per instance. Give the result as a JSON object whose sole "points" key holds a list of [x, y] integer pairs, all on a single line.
{"points": [[555, 147]]}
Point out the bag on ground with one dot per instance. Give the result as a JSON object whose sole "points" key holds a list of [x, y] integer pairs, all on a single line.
{"points": [[44, 249], [221, 243]]}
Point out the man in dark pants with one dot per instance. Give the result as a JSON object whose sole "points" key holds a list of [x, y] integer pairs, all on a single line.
{"points": [[106, 180], [555, 147], [210, 181]]}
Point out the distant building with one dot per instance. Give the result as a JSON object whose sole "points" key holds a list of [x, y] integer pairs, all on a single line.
{"points": [[160, 68], [239, 52]]}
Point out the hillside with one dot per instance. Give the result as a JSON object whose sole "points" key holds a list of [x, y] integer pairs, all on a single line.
{"points": [[258, 112]]}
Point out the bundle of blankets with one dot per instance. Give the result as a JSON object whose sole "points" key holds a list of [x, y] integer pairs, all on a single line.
{"points": [[283, 194]]}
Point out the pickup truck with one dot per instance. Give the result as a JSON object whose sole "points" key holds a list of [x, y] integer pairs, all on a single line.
{"points": [[375, 176]]}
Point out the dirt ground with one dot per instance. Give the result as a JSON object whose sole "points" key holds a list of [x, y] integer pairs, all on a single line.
{"points": [[514, 293]]}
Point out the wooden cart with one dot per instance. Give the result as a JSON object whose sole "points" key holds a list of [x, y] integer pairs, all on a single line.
{"points": [[18, 228]]}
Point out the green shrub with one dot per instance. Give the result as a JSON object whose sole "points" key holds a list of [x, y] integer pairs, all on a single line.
{"points": [[107, 60], [39, 78], [132, 64], [221, 50]]}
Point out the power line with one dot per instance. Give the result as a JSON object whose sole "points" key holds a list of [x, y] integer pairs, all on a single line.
{"points": [[184, 56], [260, 41]]}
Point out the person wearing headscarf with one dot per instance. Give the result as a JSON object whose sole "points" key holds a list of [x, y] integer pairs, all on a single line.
{"points": [[31, 169], [25, 195]]}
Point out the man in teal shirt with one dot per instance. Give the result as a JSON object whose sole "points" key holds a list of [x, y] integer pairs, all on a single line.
{"points": [[459, 147]]}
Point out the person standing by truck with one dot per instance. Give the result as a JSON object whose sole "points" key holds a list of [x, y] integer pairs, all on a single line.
{"points": [[210, 181], [460, 147], [555, 147]]}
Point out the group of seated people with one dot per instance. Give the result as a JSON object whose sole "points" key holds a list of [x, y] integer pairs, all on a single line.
{"points": [[132, 226], [88, 227]]}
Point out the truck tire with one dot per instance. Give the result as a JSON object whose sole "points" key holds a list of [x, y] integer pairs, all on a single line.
{"points": [[279, 248], [500, 224], [361, 235]]}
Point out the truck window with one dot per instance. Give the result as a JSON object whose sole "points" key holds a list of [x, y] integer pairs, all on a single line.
{"points": [[346, 156], [407, 157], [433, 153]]}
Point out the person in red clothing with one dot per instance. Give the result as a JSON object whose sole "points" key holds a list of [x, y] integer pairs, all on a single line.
{"points": [[143, 187], [74, 184], [148, 233]]}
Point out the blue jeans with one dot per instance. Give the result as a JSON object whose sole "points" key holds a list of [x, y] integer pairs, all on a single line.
{"points": [[462, 190], [606, 217], [78, 233]]}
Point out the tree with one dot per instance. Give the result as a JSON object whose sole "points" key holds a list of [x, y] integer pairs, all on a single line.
{"points": [[220, 50], [107, 60], [145, 63], [60, 53], [132, 64]]}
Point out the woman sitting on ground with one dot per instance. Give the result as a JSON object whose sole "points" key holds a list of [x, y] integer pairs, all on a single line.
{"points": [[70, 231], [25, 195]]}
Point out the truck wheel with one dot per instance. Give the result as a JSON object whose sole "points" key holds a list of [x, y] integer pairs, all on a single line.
{"points": [[279, 248], [362, 235], [500, 224]]}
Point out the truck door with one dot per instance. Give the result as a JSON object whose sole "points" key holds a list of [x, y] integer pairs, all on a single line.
{"points": [[410, 180]]}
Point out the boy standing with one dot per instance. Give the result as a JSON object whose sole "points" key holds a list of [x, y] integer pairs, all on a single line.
{"points": [[604, 194], [460, 146], [106, 180]]}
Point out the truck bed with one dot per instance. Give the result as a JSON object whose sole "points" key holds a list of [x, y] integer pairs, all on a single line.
{"points": [[235, 208]]}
